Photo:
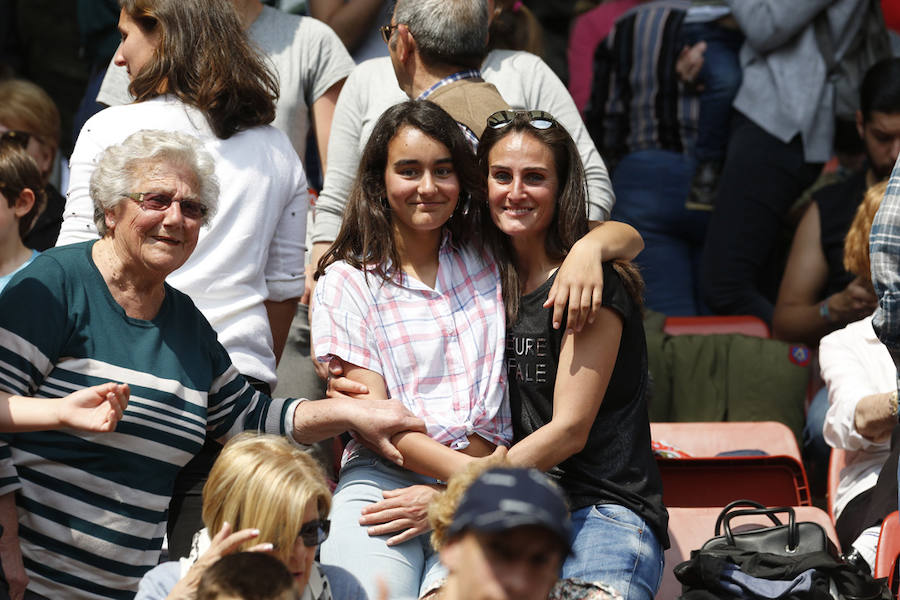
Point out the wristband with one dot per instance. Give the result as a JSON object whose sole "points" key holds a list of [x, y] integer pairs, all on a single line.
{"points": [[892, 402], [823, 311]]}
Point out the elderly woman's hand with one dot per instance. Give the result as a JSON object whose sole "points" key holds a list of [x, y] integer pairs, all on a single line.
{"points": [[223, 543], [96, 408]]}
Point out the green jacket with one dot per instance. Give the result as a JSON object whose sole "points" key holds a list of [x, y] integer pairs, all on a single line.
{"points": [[725, 377]]}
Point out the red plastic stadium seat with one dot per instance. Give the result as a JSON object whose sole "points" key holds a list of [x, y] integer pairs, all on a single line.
{"points": [[836, 464], [705, 479], [888, 546], [716, 481], [745, 324], [701, 439]]}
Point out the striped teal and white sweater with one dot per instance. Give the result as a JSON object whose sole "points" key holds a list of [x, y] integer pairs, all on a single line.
{"points": [[92, 507]]}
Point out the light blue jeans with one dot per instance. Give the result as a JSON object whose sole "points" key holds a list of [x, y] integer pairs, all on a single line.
{"points": [[613, 545], [409, 569]]}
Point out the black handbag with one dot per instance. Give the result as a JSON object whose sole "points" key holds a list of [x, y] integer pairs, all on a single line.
{"points": [[784, 540]]}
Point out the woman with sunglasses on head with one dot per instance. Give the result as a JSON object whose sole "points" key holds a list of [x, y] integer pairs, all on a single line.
{"points": [[274, 497], [578, 402]]}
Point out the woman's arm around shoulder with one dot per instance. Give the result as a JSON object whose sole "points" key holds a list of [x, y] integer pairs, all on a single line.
{"points": [[579, 281]]}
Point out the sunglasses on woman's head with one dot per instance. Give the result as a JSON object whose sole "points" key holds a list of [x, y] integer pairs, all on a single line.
{"points": [[19, 138], [160, 201], [314, 532], [538, 119]]}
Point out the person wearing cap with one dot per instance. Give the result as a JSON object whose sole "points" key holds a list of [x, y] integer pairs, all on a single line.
{"points": [[503, 533]]}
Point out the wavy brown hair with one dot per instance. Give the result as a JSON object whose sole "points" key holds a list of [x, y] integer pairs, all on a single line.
{"points": [[856, 244], [205, 59], [569, 223], [366, 239]]}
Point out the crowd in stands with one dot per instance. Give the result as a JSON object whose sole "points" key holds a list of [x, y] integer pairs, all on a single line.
{"points": [[430, 238]]}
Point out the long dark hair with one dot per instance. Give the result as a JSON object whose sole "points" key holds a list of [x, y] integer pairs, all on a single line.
{"points": [[569, 223], [366, 239], [204, 59]]}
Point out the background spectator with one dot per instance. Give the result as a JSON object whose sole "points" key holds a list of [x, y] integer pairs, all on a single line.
{"points": [[861, 382], [356, 22], [274, 498], [782, 136], [709, 22], [28, 111], [645, 124], [588, 30], [502, 535], [21, 201]]}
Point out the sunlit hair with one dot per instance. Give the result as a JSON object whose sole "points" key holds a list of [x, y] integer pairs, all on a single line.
{"points": [[569, 223], [443, 507], [19, 172], [264, 482], [856, 244], [514, 27], [24, 106], [366, 238], [248, 576], [120, 166], [447, 32], [205, 59]]}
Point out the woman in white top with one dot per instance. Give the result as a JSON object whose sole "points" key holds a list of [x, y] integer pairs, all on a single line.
{"points": [[862, 391]]}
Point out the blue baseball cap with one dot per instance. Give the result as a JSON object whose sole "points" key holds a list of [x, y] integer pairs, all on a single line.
{"points": [[503, 498]]}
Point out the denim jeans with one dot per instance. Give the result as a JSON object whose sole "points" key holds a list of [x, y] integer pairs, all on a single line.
{"points": [[651, 187], [613, 545], [720, 77], [410, 568]]}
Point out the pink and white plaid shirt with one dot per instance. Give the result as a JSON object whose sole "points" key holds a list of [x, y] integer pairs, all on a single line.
{"points": [[439, 350]]}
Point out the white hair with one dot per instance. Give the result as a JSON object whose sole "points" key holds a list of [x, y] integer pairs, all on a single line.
{"points": [[119, 166]]}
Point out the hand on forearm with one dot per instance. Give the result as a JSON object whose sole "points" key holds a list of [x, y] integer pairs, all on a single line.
{"points": [[376, 421]]}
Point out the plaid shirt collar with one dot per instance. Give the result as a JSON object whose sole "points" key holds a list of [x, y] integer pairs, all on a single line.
{"points": [[469, 74]]}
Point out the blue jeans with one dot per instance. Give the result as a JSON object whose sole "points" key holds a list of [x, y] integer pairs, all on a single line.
{"points": [[651, 187], [613, 545], [410, 568], [721, 77]]}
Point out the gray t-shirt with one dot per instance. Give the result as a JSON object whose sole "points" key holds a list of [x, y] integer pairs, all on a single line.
{"points": [[307, 56]]}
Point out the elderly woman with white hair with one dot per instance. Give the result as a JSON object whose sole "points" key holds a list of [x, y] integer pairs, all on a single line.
{"points": [[87, 512]]}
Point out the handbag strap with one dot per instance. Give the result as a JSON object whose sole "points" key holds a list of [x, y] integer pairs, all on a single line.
{"points": [[735, 504], [793, 530]]}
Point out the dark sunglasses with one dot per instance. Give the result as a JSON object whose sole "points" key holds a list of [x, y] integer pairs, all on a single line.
{"points": [[160, 201], [314, 532], [538, 119], [17, 137], [386, 32]]}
